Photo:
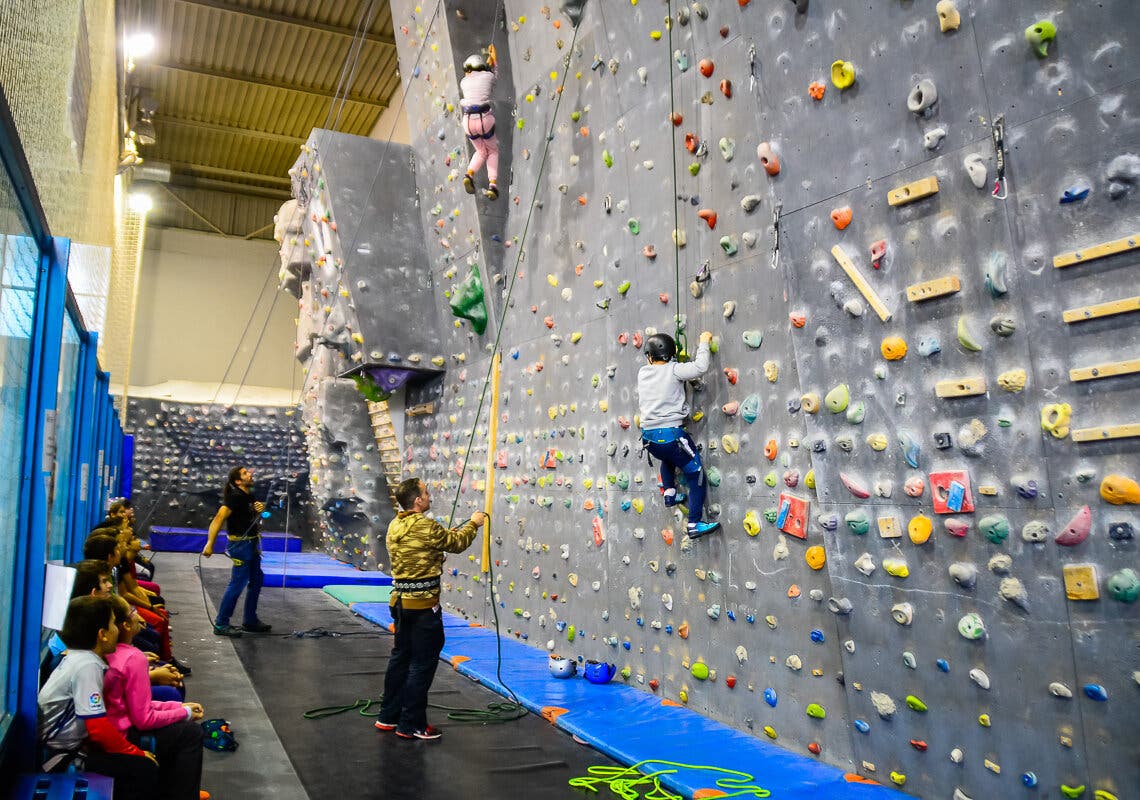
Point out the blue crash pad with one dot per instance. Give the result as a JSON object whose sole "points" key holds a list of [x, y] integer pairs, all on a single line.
{"points": [[631, 725], [315, 570], [192, 540]]}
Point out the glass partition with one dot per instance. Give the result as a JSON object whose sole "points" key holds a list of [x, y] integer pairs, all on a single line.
{"points": [[19, 264], [59, 492]]}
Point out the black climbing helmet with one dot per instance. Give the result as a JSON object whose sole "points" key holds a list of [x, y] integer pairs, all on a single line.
{"points": [[477, 62], [661, 347]]}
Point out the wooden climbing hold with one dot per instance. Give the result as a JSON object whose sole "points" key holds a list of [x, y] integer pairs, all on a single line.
{"points": [[1122, 245], [961, 387], [1106, 432], [1111, 308], [938, 287], [869, 294], [1109, 370], [910, 192]]}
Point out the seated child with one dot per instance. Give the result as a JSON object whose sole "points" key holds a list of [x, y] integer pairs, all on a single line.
{"points": [[73, 722], [664, 406]]}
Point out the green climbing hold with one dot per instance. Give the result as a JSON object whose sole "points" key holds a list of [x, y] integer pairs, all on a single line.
{"points": [[571, 632], [694, 168], [712, 476], [623, 287], [816, 710], [728, 245], [623, 480], [914, 704], [369, 389], [1039, 35], [467, 301], [837, 399], [752, 338], [857, 521], [575, 115], [771, 515], [700, 671], [634, 226], [1124, 585], [750, 408], [856, 413], [995, 527], [607, 158], [965, 338], [770, 479], [1072, 791]]}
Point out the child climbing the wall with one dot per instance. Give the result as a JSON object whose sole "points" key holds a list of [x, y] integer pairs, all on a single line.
{"points": [[477, 86], [664, 406]]}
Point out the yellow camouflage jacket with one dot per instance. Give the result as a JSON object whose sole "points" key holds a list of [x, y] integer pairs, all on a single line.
{"points": [[416, 545]]}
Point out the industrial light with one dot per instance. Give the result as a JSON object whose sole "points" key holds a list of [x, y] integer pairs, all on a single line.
{"points": [[140, 202], [137, 45]]}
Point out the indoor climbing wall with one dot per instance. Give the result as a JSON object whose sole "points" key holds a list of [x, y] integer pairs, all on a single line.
{"points": [[184, 453], [366, 323], [911, 228]]}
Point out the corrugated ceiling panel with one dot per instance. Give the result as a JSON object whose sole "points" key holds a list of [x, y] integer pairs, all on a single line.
{"points": [[237, 215]]}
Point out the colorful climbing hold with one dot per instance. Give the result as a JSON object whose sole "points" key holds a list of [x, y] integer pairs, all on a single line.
{"points": [[1039, 35], [842, 74]]}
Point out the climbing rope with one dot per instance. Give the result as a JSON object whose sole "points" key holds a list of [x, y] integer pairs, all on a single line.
{"points": [[493, 714], [491, 361], [629, 782], [678, 330]]}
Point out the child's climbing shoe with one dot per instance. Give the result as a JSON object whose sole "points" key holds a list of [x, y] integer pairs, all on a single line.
{"points": [[675, 499], [696, 530], [492, 192], [469, 184]]}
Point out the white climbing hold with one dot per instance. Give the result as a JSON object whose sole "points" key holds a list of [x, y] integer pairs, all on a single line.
{"points": [[741, 654], [729, 309], [794, 662], [957, 755], [979, 677], [849, 645], [635, 594], [864, 564], [1001, 563], [933, 137], [976, 168], [780, 551], [1058, 689], [964, 574], [667, 601], [883, 703], [1013, 590], [750, 585]]}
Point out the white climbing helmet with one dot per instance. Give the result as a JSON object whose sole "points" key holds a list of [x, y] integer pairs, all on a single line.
{"points": [[476, 62]]}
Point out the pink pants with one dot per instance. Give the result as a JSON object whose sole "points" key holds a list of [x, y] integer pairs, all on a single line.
{"points": [[476, 126]]}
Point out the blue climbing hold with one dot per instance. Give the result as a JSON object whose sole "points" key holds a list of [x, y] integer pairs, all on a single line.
{"points": [[750, 619], [561, 625], [862, 726], [943, 664], [1074, 194], [515, 353], [910, 449], [626, 504], [731, 615], [817, 636], [770, 697], [1095, 691], [627, 645], [640, 622], [929, 345], [669, 629], [1029, 779]]}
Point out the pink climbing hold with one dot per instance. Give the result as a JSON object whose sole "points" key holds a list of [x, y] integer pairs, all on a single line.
{"points": [[957, 527], [878, 251], [730, 408], [663, 297], [853, 486], [914, 486], [638, 339], [1077, 530]]}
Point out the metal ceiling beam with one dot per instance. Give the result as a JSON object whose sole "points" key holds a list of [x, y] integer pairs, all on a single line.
{"points": [[214, 127], [229, 173], [253, 79], [324, 27], [187, 181]]}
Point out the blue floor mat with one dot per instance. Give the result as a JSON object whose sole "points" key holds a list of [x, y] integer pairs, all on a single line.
{"points": [[192, 540], [628, 724], [314, 570]]}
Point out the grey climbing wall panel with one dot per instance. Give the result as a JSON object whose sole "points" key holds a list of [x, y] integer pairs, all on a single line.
{"points": [[184, 452], [580, 535]]}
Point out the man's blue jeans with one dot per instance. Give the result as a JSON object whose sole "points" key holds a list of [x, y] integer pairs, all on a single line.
{"points": [[411, 668], [246, 573]]}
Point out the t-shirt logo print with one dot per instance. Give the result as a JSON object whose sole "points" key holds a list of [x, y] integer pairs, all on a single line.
{"points": [[95, 700]]}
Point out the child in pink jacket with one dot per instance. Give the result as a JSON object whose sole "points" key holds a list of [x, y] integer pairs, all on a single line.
{"points": [[173, 726], [477, 86]]}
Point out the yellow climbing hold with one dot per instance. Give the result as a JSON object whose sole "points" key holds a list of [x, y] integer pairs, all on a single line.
{"points": [[1120, 490], [655, 35], [769, 731], [730, 443], [752, 523], [638, 505], [896, 567], [551, 279], [809, 479], [919, 529], [575, 337], [893, 348], [898, 778], [815, 557], [842, 74], [1055, 418], [984, 720], [877, 442], [1012, 380]]}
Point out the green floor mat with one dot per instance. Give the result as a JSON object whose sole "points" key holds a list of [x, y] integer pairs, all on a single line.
{"points": [[359, 594]]}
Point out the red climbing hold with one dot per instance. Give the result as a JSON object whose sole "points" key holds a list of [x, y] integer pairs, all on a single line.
{"points": [[709, 216], [706, 67], [663, 297], [653, 684], [918, 745], [878, 251], [732, 375], [814, 748], [726, 88], [724, 32], [691, 142], [548, 321], [677, 118]]}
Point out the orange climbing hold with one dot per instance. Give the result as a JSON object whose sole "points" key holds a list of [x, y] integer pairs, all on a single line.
{"points": [[649, 251], [816, 90], [667, 536], [726, 88], [841, 217], [771, 449], [548, 321], [663, 297], [798, 319], [677, 118], [581, 199], [768, 158], [732, 375], [683, 630], [691, 142], [584, 130], [709, 216], [793, 591], [706, 67]]}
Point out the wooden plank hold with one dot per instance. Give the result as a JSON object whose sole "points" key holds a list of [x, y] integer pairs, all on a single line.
{"points": [[1122, 245], [961, 387], [1111, 308], [928, 290], [868, 292], [1106, 432], [908, 193], [1109, 370]]}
